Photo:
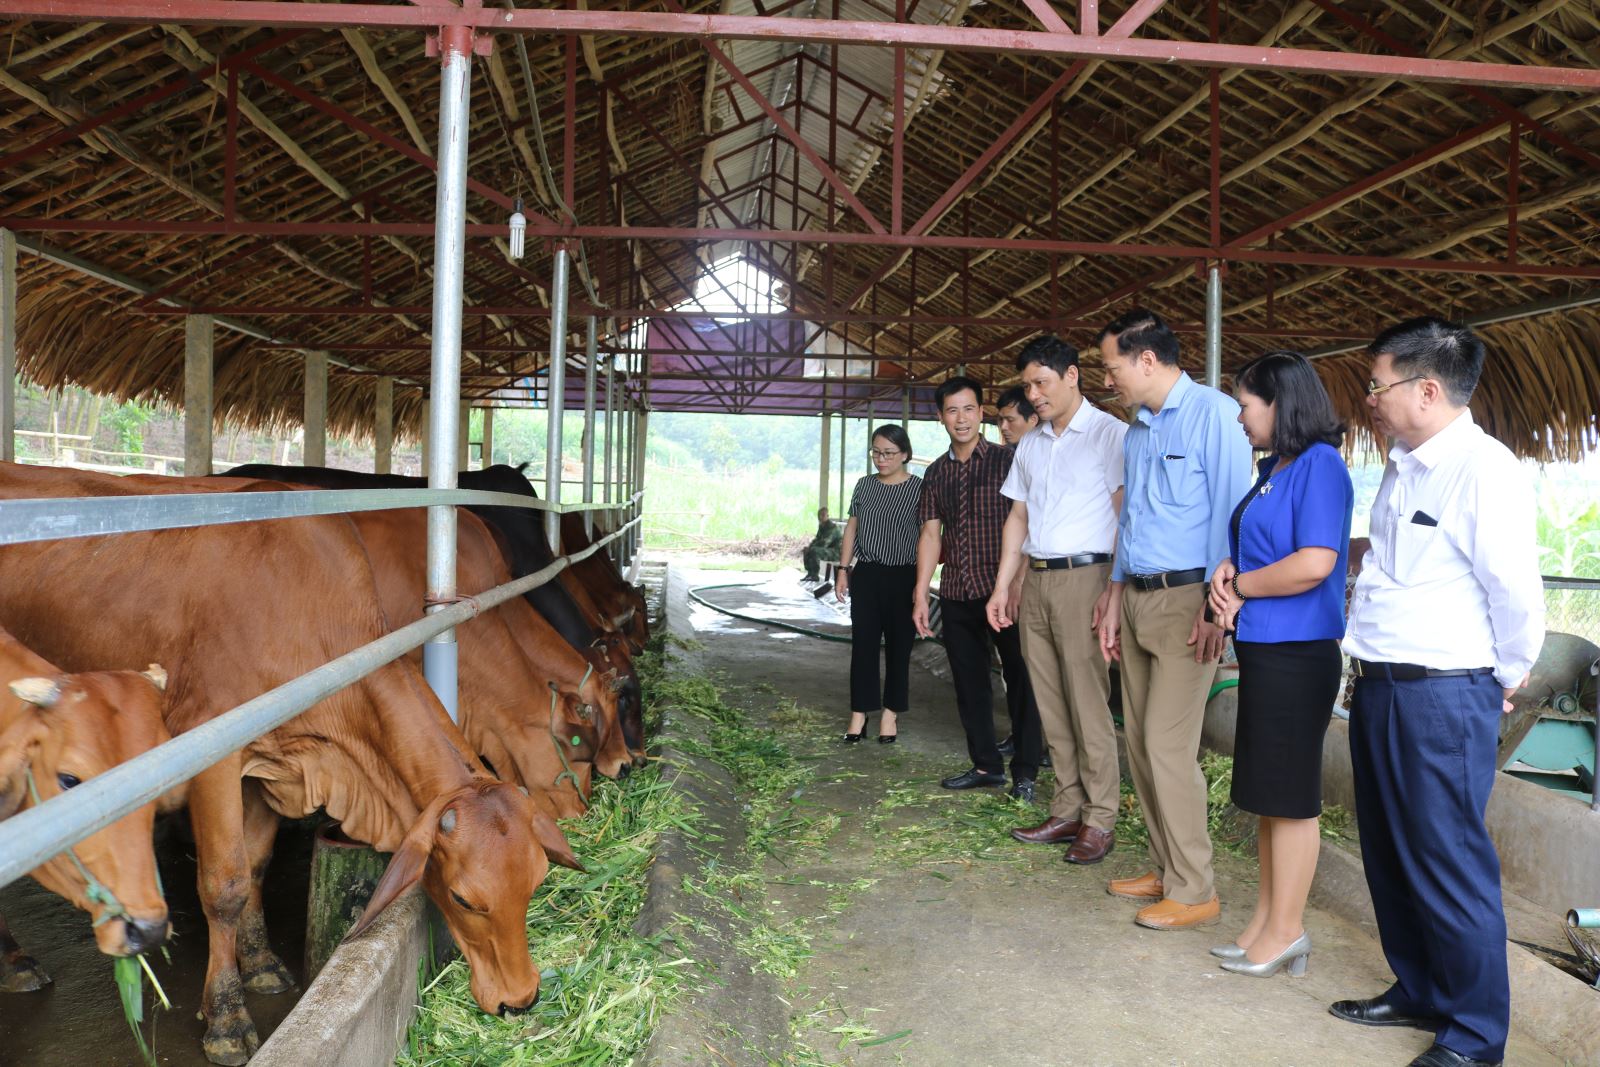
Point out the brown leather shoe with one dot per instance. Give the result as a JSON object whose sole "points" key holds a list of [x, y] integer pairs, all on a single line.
{"points": [[1052, 831], [1168, 914], [1146, 887], [1092, 846]]}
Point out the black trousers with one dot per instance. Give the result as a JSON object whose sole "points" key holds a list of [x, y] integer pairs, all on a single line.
{"points": [[880, 613], [967, 637]]}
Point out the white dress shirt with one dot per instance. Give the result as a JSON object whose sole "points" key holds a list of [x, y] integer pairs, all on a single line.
{"points": [[1066, 481], [1452, 578]]}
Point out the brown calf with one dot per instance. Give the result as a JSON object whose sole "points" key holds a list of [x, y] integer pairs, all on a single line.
{"points": [[59, 730]]}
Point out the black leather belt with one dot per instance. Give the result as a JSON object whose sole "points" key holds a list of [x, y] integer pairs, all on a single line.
{"points": [[1066, 563], [1410, 672], [1168, 580]]}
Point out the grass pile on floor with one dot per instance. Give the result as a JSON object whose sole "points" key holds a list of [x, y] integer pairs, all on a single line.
{"points": [[602, 986]]}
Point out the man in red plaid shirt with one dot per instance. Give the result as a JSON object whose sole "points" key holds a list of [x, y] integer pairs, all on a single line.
{"points": [[963, 513]]}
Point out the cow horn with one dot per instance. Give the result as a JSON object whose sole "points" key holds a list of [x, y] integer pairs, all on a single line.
{"points": [[43, 692], [157, 675], [624, 619]]}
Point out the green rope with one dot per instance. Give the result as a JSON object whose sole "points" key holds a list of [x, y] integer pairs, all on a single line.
{"points": [[94, 890], [568, 771]]}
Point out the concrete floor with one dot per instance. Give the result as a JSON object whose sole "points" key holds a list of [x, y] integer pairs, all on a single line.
{"points": [[999, 953]]}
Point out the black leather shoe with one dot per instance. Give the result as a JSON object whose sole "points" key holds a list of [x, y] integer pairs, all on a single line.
{"points": [[973, 778], [1044, 760], [1008, 747], [1439, 1056], [1022, 789], [1375, 1012], [887, 739]]}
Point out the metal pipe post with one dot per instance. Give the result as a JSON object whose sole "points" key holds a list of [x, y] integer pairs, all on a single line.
{"points": [[486, 455], [314, 451], [556, 390], [591, 352], [444, 390], [383, 426], [905, 408], [8, 345], [1214, 326], [639, 469], [198, 334], [822, 479], [464, 438]]}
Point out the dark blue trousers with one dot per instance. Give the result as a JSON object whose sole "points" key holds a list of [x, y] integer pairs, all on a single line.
{"points": [[1423, 753]]}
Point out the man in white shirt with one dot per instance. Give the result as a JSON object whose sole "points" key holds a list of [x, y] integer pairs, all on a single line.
{"points": [[1446, 621], [1066, 488]]}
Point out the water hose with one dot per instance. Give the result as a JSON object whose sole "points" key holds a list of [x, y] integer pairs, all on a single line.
{"points": [[694, 595]]}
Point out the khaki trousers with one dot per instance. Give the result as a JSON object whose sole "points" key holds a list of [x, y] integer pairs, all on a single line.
{"points": [[1163, 707], [1071, 687]]}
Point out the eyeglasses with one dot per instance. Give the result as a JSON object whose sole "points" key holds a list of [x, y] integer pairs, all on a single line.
{"points": [[1375, 389], [876, 454]]}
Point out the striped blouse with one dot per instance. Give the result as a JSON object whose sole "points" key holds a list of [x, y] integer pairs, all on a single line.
{"points": [[886, 520]]}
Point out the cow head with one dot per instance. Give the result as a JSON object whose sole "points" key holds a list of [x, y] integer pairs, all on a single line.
{"points": [[609, 655], [597, 704], [480, 851], [92, 722]]}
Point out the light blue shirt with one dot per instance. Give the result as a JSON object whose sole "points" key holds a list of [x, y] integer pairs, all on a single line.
{"points": [[1185, 466]]}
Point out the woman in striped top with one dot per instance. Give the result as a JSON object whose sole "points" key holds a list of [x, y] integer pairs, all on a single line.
{"points": [[881, 539]]}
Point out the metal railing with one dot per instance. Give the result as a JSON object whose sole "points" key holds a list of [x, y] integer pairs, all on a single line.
{"points": [[34, 836]]}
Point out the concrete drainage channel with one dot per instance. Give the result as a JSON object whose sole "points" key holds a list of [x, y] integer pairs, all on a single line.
{"points": [[358, 1009]]}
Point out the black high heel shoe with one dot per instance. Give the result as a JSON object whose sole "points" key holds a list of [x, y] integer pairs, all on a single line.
{"points": [[855, 738], [887, 739]]}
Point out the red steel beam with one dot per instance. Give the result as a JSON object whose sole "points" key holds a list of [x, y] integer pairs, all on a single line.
{"points": [[1047, 16], [1000, 144], [156, 95], [712, 235], [1106, 48], [384, 138], [1133, 18]]}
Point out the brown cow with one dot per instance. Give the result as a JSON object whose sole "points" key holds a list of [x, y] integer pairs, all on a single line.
{"points": [[235, 611], [618, 598], [505, 695], [57, 730]]}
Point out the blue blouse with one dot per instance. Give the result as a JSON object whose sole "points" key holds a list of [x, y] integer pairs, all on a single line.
{"points": [[1305, 505]]}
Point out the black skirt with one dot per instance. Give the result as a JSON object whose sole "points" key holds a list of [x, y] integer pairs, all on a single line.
{"points": [[1286, 695]]}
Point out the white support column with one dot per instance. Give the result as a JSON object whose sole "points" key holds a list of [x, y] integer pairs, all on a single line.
{"points": [[464, 439], [556, 390], [8, 345], [844, 459], [383, 426], [449, 268], [827, 444], [198, 334], [1214, 327], [638, 475], [488, 439], [315, 453]]}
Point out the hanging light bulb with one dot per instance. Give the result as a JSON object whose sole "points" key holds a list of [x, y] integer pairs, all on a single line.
{"points": [[519, 230]]}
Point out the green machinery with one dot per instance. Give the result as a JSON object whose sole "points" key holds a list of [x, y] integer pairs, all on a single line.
{"points": [[1550, 735]]}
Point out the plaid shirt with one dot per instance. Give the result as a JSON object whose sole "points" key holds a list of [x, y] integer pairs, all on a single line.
{"points": [[966, 498]]}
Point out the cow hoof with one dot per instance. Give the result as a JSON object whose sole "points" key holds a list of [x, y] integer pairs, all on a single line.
{"points": [[232, 1049], [272, 977], [21, 973]]}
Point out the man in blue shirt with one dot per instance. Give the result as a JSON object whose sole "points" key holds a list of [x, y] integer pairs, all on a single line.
{"points": [[1186, 464]]}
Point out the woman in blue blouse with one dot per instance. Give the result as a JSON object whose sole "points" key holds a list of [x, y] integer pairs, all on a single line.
{"points": [[1282, 594]]}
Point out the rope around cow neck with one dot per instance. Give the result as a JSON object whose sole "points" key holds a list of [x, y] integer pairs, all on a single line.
{"points": [[568, 771], [95, 890]]}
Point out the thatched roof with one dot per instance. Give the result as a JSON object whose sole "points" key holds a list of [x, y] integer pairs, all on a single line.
{"points": [[1125, 159]]}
